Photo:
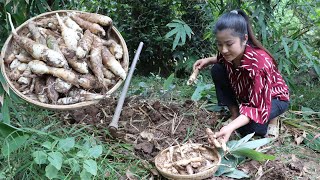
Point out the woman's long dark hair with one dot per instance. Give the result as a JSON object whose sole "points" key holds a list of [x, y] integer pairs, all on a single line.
{"points": [[238, 21]]}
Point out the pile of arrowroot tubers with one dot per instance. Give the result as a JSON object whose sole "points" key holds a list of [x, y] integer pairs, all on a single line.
{"points": [[65, 58], [190, 158]]}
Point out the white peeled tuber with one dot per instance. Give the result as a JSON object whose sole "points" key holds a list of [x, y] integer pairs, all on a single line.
{"points": [[193, 76]]}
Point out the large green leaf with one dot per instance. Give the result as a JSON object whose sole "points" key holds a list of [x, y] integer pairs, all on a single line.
{"points": [[51, 171], [168, 82], [55, 159], [95, 151], [40, 157], [91, 166], [242, 141], [312, 142], [255, 143], [252, 154], [7, 129], [74, 164], [85, 175], [66, 144], [5, 109], [197, 94], [11, 144], [236, 174]]}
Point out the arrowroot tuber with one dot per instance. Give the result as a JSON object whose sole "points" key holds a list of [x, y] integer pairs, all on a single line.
{"points": [[40, 67], [37, 50], [85, 44], [193, 76], [37, 36], [111, 63], [69, 35], [93, 27], [96, 59], [96, 18], [61, 86]]}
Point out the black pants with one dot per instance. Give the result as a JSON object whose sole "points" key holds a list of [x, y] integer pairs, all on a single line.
{"points": [[226, 97]]}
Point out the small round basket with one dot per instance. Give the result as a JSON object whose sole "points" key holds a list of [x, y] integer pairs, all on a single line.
{"points": [[23, 30], [208, 172]]}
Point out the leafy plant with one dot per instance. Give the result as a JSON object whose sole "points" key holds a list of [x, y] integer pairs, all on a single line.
{"points": [[238, 151], [181, 30]]}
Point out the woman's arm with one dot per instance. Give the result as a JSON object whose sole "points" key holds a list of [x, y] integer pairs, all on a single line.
{"points": [[201, 63], [226, 131]]}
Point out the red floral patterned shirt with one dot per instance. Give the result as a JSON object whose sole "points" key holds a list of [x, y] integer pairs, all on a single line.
{"points": [[255, 82]]}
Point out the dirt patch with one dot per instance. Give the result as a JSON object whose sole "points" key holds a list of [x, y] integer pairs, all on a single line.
{"points": [[153, 125], [150, 125]]}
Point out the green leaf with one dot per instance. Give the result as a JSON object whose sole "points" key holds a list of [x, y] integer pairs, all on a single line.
{"points": [[242, 141], [7, 129], [178, 21], [237, 174], [197, 94], [286, 48], [172, 32], [188, 30], [305, 51], [73, 163], [2, 175], [12, 144], [5, 109], [95, 151], [295, 46], [55, 159], [66, 144], [47, 144], [307, 111], [183, 37], [40, 157], [168, 82], [85, 175], [91, 166], [255, 155], [227, 165], [81, 154], [51, 172], [173, 25], [313, 142], [176, 40], [255, 143]]}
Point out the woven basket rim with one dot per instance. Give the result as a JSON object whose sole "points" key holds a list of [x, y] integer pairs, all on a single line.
{"points": [[9, 40]]}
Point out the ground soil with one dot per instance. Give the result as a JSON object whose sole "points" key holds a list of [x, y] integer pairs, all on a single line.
{"points": [[153, 125]]}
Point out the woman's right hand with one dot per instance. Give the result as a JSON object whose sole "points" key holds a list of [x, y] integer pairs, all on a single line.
{"points": [[202, 63]]}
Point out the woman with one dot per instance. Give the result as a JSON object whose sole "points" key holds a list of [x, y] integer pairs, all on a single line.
{"points": [[246, 78]]}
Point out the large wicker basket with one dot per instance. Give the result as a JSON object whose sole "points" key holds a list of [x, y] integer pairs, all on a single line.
{"points": [[201, 175], [22, 30]]}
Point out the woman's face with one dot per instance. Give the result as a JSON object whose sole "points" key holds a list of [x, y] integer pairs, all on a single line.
{"points": [[230, 46]]}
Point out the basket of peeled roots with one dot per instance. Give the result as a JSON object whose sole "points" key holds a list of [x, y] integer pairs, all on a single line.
{"points": [[65, 59], [188, 161]]}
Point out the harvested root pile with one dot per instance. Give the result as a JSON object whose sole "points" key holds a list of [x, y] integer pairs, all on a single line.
{"points": [[187, 159], [65, 58]]}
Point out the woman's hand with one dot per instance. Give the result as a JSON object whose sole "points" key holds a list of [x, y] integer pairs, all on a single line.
{"points": [[224, 133], [202, 63]]}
